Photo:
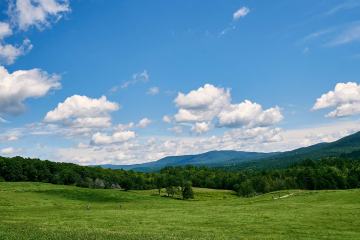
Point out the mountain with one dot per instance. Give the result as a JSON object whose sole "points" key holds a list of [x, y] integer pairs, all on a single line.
{"points": [[242, 160], [212, 159], [343, 146]]}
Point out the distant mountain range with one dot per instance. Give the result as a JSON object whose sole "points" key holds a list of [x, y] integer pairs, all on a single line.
{"points": [[213, 159], [241, 160]]}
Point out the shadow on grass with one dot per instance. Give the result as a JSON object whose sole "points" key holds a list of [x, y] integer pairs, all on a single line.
{"points": [[86, 195]]}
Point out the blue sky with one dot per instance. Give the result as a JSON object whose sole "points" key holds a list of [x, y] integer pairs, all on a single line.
{"points": [[139, 80]]}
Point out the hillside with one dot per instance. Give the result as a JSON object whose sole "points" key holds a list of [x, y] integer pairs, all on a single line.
{"points": [[342, 146], [78, 213], [240, 160], [212, 159]]}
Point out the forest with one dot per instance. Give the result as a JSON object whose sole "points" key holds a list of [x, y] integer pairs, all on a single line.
{"points": [[328, 173]]}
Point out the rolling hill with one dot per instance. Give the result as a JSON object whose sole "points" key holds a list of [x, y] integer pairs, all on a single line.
{"points": [[213, 159], [241, 160], [345, 145]]}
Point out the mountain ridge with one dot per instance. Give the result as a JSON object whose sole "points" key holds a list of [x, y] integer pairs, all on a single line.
{"points": [[243, 159]]}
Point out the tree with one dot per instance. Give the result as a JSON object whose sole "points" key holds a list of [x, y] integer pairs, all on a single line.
{"points": [[246, 189], [160, 182], [170, 190], [127, 184], [187, 192]]}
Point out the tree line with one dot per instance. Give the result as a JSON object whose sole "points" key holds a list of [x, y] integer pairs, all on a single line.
{"points": [[329, 173], [18, 169]]}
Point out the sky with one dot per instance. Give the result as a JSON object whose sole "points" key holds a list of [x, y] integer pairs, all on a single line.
{"points": [[132, 81]]}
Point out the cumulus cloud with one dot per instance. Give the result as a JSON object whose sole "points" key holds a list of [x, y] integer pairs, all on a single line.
{"points": [[202, 104], [176, 129], [117, 137], [7, 151], [122, 127], [166, 119], [153, 91], [150, 149], [259, 139], [345, 98], [38, 13], [20, 85], [9, 53], [5, 30], [143, 123], [209, 103], [10, 136], [201, 127], [249, 114], [240, 13], [185, 115], [24, 14], [83, 112]]}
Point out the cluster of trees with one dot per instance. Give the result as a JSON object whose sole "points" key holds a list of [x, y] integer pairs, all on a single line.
{"points": [[35, 170], [330, 173], [174, 184]]}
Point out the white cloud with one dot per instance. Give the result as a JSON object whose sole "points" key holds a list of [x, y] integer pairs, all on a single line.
{"points": [[20, 85], [260, 139], [143, 123], [150, 149], [240, 13], [345, 98], [176, 129], [117, 137], [5, 30], [9, 53], [140, 77], [92, 122], [202, 104], [122, 127], [185, 115], [166, 119], [153, 91], [302, 137], [10, 136], [249, 114], [136, 78], [207, 104], [39, 13], [83, 112], [201, 127], [8, 151]]}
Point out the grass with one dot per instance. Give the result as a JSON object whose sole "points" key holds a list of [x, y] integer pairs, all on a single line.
{"points": [[45, 211]]}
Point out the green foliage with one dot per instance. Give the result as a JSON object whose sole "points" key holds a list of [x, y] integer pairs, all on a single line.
{"points": [[187, 192], [246, 189], [24, 169], [171, 191], [329, 173]]}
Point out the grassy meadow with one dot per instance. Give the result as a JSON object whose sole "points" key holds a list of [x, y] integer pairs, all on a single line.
{"points": [[45, 211]]}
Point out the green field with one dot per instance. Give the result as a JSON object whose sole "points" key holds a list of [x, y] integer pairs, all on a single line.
{"points": [[45, 211]]}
